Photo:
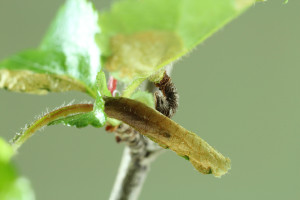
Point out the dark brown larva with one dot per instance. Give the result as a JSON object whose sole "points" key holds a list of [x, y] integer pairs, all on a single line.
{"points": [[166, 101]]}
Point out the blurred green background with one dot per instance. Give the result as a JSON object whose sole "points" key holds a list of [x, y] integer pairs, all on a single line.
{"points": [[239, 91]]}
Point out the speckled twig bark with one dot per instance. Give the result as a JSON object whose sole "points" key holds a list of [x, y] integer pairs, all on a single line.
{"points": [[135, 164]]}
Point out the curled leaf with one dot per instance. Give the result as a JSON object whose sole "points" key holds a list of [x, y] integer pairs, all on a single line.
{"points": [[46, 119], [168, 134]]}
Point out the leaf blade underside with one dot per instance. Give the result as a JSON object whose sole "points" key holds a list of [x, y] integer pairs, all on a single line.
{"points": [[140, 37], [68, 56]]}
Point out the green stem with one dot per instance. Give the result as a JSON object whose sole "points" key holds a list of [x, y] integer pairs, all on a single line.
{"points": [[20, 138]]}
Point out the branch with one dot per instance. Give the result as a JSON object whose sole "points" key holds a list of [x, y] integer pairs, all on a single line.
{"points": [[135, 164]]}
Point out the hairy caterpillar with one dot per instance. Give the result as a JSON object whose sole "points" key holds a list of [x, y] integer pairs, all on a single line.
{"points": [[166, 101]]}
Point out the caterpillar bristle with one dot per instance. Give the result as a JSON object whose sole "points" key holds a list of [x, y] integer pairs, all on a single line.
{"points": [[166, 100]]}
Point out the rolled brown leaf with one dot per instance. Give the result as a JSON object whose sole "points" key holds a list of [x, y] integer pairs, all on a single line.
{"points": [[168, 134]]}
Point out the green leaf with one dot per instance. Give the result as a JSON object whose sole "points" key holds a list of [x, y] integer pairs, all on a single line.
{"points": [[140, 37], [79, 115], [101, 84], [97, 117], [6, 152], [11, 185], [144, 97], [98, 110], [79, 120], [67, 59]]}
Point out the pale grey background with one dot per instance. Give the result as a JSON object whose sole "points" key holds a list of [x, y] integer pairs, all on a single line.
{"points": [[239, 91]]}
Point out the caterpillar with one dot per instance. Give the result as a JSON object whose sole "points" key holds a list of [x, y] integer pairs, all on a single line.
{"points": [[166, 101]]}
